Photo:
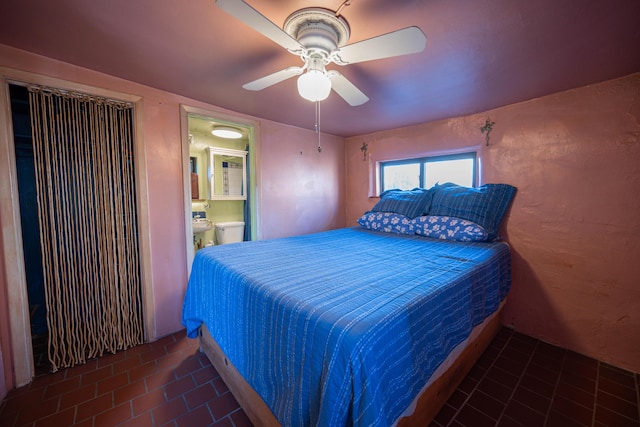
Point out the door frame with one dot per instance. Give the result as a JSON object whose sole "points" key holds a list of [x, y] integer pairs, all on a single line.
{"points": [[21, 357], [254, 169]]}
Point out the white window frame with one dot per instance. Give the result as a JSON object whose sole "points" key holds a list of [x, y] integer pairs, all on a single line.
{"points": [[422, 161]]}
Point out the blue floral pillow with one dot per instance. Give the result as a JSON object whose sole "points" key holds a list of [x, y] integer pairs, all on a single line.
{"points": [[450, 228], [389, 222]]}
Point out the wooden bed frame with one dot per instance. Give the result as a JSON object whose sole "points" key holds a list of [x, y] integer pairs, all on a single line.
{"points": [[428, 403]]}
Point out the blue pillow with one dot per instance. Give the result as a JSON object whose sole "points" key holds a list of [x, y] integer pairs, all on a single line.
{"points": [[449, 228], [410, 203], [389, 222], [485, 205]]}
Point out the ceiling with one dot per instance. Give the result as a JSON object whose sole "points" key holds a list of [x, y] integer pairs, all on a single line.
{"points": [[480, 54]]}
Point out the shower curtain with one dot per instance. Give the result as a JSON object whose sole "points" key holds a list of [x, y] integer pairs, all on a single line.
{"points": [[247, 201]]}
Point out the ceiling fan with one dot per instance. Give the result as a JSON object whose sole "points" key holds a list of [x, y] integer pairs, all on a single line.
{"points": [[318, 36]]}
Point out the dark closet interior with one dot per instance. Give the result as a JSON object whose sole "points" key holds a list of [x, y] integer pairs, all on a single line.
{"points": [[30, 228]]}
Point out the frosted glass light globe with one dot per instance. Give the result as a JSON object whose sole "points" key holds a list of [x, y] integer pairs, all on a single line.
{"points": [[314, 85]]}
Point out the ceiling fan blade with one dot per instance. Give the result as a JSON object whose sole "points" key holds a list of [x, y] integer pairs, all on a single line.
{"points": [[346, 89], [259, 22], [401, 42], [274, 78]]}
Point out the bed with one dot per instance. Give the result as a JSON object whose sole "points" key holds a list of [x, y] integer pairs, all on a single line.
{"points": [[372, 325]]}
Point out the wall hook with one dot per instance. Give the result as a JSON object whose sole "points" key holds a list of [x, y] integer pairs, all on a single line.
{"points": [[364, 151], [487, 128]]}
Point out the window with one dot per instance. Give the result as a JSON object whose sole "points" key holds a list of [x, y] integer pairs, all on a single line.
{"points": [[428, 171]]}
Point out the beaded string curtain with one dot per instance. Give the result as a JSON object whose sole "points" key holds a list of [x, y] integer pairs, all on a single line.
{"points": [[83, 154]]}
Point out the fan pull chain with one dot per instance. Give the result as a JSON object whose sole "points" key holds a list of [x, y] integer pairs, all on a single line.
{"points": [[318, 125], [345, 3]]}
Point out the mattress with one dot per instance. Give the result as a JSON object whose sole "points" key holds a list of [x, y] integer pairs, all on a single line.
{"points": [[343, 327]]}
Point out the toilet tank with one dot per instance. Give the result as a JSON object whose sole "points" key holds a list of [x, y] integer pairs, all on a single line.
{"points": [[229, 232]]}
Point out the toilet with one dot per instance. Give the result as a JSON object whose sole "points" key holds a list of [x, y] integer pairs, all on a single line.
{"points": [[229, 232]]}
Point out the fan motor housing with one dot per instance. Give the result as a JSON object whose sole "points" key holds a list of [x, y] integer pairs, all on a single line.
{"points": [[317, 29]]}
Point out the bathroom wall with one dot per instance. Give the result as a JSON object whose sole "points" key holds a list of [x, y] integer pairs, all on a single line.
{"points": [[216, 211], [574, 226], [299, 193]]}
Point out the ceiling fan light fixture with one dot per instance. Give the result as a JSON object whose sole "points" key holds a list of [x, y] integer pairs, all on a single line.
{"points": [[319, 37], [314, 85], [226, 132]]}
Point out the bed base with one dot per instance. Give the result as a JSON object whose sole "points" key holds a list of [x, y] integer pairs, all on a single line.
{"points": [[428, 403]]}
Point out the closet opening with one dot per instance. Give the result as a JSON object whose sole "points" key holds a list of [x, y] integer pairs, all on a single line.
{"points": [[77, 195]]}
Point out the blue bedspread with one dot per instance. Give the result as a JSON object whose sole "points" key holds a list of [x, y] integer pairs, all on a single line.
{"points": [[343, 327]]}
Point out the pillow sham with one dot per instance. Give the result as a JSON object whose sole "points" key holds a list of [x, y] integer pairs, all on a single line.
{"points": [[484, 205], [449, 228], [410, 203], [389, 222]]}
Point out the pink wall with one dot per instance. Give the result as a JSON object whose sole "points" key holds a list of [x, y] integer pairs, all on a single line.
{"points": [[6, 375], [574, 226], [303, 189], [300, 193]]}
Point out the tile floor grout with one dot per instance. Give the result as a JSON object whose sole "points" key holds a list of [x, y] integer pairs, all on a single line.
{"points": [[560, 407], [555, 388]]}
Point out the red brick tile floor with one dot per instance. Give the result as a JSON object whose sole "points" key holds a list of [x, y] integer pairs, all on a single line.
{"points": [[165, 383], [518, 381]]}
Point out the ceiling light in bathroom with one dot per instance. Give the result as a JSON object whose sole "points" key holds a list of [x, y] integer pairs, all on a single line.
{"points": [[226, 132]]}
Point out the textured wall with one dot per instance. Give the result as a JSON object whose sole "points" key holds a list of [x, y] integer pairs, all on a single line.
{"points": [[301, 190], [574, 226]]}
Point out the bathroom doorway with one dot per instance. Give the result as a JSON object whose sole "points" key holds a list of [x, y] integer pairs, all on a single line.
{"points": [[225, 197]]}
